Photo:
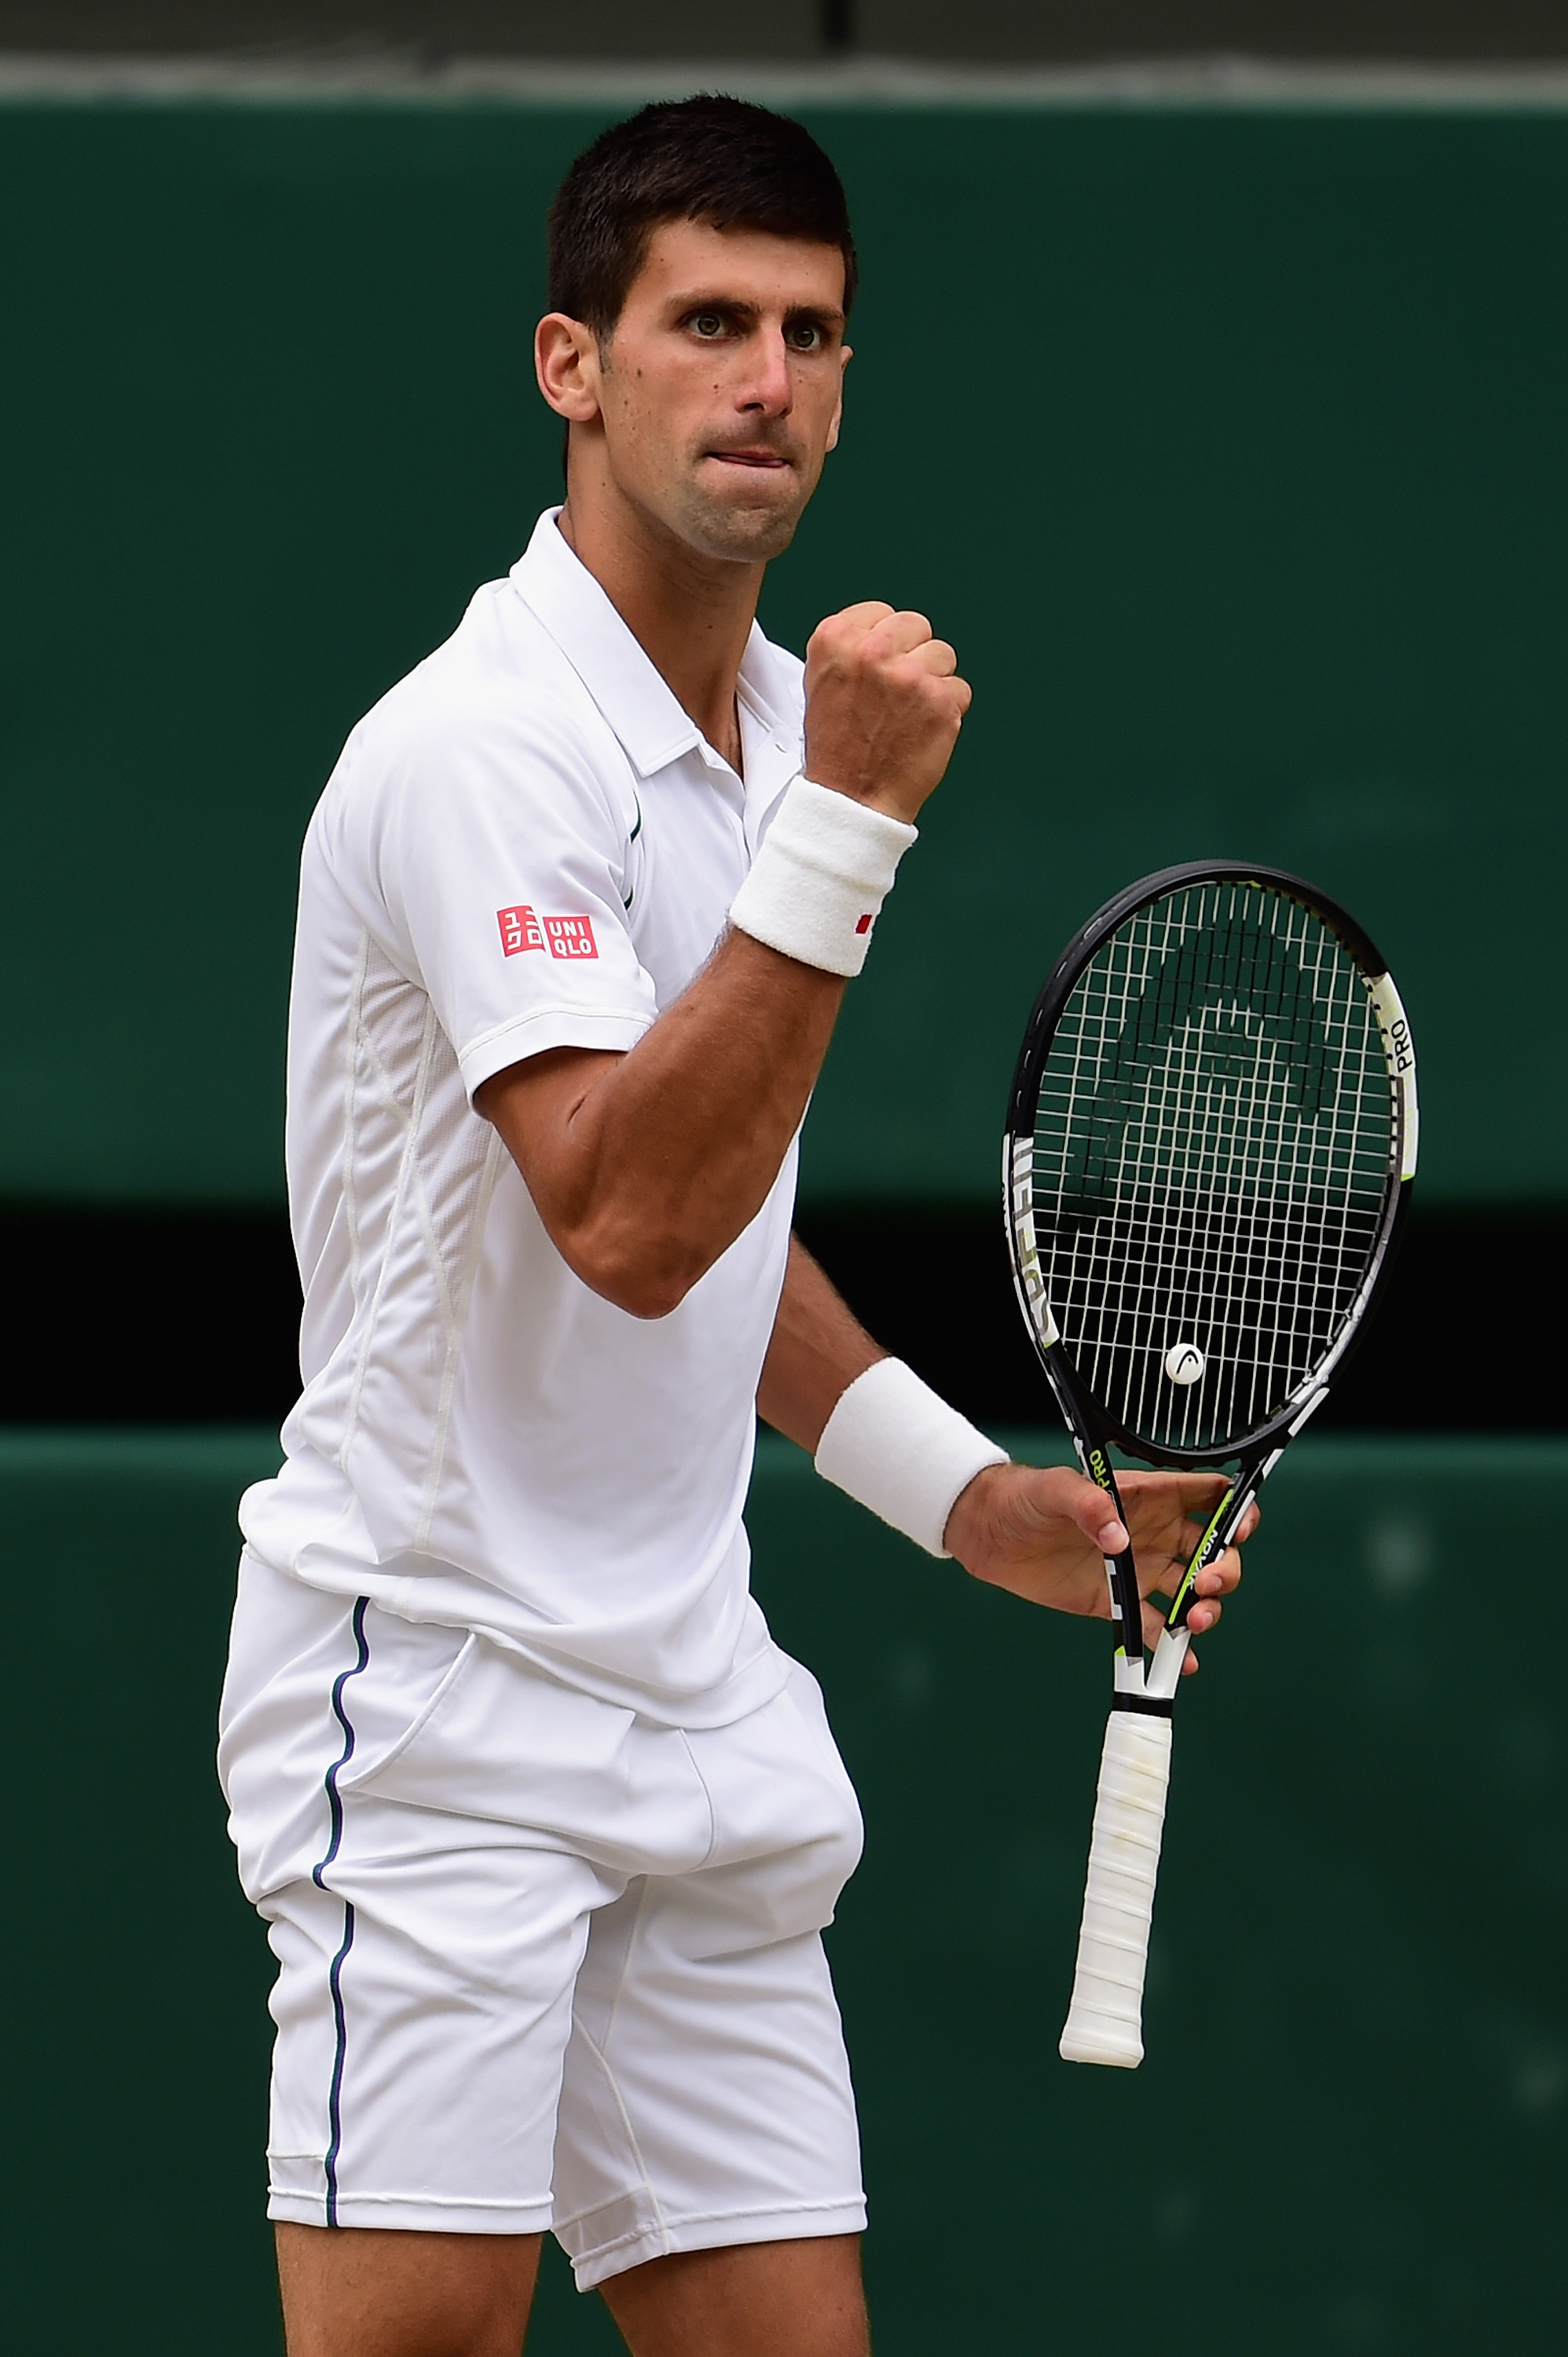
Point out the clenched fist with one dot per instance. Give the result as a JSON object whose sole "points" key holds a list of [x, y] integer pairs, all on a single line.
{"points": [[883, 707]]}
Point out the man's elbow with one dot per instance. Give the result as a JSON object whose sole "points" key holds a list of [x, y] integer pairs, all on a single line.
{"points": [[644, 1293], [647, 1275]]}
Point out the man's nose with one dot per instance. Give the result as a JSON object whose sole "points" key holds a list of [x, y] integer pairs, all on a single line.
{"points": [[767, 387]]}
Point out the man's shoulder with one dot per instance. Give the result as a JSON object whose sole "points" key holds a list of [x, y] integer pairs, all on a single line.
{"points": [[499, 674], [496, 703]]}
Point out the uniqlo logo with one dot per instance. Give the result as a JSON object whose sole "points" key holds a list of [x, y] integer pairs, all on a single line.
{"points": [[571, 937], [520, 930]]}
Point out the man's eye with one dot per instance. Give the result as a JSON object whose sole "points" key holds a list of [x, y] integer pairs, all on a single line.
{"points": [[805, 337], [707, 323]]}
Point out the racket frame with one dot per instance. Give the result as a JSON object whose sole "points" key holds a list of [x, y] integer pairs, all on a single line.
{"points": [[1018, 1144], [1094, 1430]]}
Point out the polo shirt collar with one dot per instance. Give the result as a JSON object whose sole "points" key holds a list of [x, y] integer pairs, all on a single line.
{"points": [[566, 600]]}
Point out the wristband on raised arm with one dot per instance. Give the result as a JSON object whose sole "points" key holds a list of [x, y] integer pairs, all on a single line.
{"points": [[825, 866]]}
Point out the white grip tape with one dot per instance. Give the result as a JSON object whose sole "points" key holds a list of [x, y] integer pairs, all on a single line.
{"points": [[816, 886], [1105, 2021]]}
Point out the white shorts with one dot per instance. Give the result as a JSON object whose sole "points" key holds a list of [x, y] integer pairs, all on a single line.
{"points": [[543, 1963]]}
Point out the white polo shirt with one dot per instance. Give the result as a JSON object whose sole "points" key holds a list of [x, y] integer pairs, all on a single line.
{"points": [[526, 845]]}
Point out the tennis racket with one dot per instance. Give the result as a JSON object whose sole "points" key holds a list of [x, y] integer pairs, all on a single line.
{"points": [[1209, 1150]]}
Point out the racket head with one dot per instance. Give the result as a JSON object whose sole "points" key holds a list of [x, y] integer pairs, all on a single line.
{"points": [[1210, 1144]]}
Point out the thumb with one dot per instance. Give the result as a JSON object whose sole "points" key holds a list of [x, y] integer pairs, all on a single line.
{"points": [[1097, 1518]]}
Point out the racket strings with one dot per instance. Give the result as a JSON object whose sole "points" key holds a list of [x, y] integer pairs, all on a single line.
{"points": [[1213, 1137]]}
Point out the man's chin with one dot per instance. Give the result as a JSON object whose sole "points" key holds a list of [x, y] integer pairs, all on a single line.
{"points": [[745, 534]]}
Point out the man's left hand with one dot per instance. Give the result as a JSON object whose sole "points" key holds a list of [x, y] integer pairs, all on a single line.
{"points": [[1044, 1533]]}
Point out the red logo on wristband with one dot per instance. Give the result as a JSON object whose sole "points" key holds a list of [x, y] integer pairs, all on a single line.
{"points": [[864, 924]]}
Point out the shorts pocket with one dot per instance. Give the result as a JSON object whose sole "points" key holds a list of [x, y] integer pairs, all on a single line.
{"points": [[322, 1689], [499, 1740], [788, 1831], [380, 1760]]}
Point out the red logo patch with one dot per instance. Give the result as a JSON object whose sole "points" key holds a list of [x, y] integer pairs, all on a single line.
{"points": [[864, 924], [520, 930], [571, 937]]}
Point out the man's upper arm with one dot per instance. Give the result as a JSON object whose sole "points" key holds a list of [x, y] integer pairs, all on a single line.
{"points": [[498, 856], [532, 1105]]}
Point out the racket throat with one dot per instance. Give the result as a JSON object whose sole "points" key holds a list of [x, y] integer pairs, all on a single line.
{"points": [[1151, 1690], [1137, 1689], [1142, 1684], [1163, 1672]]}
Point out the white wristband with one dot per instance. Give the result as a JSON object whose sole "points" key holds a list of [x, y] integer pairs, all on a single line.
{"points": [[825, 866], [902, 1451]]}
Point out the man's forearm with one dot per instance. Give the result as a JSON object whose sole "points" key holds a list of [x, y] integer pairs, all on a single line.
{"points": [[819, 1348], [646, 1167]]}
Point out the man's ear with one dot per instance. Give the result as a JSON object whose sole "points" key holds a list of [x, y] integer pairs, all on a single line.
{"points": [[566, 362], [845, 356]]}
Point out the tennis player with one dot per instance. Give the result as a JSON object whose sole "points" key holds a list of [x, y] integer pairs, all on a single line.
{"points": [[545, 1826]]}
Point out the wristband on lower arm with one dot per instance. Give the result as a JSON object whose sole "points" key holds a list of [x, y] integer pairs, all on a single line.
{"points": [[897, 1449], [825, 867]]}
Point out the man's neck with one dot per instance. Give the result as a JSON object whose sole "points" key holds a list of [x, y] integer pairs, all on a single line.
{"points": [[691, 614]]}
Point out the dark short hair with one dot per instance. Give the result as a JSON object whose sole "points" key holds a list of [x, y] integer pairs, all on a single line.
{"points": [[708, 158]]}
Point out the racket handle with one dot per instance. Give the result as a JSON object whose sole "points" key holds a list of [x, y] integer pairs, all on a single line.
{"points": [[1104, 2020]]}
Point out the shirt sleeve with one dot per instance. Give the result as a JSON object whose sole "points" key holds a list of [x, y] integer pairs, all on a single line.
{"points": [[491, 855]]}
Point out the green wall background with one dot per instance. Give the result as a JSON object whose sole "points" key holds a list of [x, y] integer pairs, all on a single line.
{"points": [[1227, 445], [1348, 2133]]}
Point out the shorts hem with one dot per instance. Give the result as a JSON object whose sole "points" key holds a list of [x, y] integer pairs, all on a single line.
{"points": [[718, 2230], [408, 2214]]}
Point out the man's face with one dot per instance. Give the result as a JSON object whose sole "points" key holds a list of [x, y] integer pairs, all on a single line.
{"points": [[720, 388]]}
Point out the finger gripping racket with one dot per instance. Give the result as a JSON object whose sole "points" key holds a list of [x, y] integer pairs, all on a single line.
{"points": [[1210, 1148]]}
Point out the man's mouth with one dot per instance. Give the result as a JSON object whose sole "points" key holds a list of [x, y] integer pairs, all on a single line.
{"points": [[752, 456]]}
